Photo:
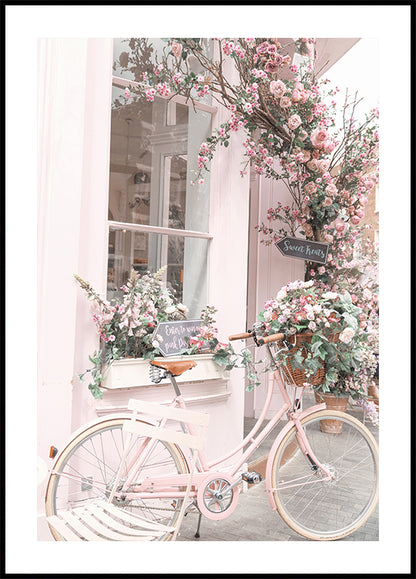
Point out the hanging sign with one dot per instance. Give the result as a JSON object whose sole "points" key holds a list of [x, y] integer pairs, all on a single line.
{"points": [[303, 249], [172, 335]]}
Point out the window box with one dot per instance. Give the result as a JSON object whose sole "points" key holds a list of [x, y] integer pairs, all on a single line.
{"points": [[132, 372]]}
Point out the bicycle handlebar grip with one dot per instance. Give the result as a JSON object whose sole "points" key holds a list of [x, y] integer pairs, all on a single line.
{"points": [[272, 338], [242, 336]]}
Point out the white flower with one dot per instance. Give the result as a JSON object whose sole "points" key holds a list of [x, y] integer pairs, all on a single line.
{"points": [[329, 295], [155, 344], [267, 315], [182, 308], [367, 295], [317, 309], [310, 316], [170, 309], [347, 335], [281, 295], [312, 326]]}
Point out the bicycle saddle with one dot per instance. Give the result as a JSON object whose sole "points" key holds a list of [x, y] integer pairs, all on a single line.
{"points": [[175, 368]]}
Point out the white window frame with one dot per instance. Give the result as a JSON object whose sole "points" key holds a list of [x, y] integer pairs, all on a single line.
{"points": [[125, 83]]}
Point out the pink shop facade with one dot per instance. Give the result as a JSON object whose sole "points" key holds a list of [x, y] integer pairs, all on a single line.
{"points": [[114, 193]]}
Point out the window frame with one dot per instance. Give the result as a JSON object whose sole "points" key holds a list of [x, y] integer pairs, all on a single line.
{"points": [[125, 83], [162, 230]]}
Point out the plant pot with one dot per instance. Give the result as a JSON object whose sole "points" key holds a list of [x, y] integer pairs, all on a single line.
{"points": [[372, 394], [133, 372], [332, 403]]}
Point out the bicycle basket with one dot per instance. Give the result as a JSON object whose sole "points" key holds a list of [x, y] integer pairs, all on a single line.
{"points": [[297, 375]]}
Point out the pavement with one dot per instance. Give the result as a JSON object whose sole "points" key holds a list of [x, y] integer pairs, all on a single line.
{"points": [[253, 519]]}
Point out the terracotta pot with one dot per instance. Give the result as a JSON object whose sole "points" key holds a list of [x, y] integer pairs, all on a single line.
{"points": [[332, 403], [372, 394]]}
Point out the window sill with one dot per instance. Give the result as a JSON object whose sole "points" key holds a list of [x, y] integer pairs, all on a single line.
{"points": [[134, 372]]}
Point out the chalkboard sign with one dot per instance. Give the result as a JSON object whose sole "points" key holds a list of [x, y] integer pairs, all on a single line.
{"points": [[303, 249], [173, 335]]}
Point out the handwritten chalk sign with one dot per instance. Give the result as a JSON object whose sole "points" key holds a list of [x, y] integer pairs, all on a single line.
{"points": [[303, 249], [172, 335]]}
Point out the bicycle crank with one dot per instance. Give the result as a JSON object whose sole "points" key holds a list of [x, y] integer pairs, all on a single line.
{"points": [[217, 496]]}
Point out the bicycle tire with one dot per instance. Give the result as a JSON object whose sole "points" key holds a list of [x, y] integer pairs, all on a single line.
{"points": [[92, 459], [333, 510]]}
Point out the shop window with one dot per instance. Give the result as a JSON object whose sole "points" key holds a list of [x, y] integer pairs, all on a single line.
{"points": [[156, 217]]}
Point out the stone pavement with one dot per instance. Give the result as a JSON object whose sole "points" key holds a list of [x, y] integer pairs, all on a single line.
{"points": [[253, 519]]}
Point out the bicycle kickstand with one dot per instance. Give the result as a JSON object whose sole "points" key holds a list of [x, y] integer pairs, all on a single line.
{"points": [[197, 535]]}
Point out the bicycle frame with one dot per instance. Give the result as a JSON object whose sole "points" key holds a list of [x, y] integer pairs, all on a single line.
{"points": [[169, 486], [164, 487]]}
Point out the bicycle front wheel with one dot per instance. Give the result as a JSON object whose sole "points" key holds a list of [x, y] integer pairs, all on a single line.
{"points": [[326, 510], [86, 470]]}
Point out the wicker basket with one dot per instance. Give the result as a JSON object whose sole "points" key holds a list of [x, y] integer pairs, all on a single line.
{"points": [[298, 376]]}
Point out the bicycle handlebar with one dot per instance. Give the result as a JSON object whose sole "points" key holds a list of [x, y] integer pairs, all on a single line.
{"points": [[242, 336], [260, 341], [269, 339]]}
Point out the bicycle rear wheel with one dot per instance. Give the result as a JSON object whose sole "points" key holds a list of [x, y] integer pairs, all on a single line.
{"points": [[87, 467], [331, 510]]}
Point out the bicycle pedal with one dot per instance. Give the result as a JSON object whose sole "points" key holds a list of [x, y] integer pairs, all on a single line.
{"points": [[252, 478]]}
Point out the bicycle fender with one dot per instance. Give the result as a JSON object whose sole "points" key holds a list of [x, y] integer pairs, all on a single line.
{"points": [[276, 444]]}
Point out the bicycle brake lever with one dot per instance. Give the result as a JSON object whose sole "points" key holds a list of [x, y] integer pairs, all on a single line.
{"points": [[287, 344]]}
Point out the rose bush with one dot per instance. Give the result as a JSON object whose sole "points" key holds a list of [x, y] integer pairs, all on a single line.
{"points": [[288, 116]]}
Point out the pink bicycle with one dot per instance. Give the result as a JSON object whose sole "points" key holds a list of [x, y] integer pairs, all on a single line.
{"points": [[324, 485]]}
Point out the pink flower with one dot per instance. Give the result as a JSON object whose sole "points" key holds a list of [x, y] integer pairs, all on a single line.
{"points": [[262, 48], [329, 146], [318, 137], [339, 225], [277, 88], [310, 188], [313, 165], [323, 165], [327, 202], [294, 121], [331, 189], [285, 102], [296, 96], [176, 49], [272, 66]]}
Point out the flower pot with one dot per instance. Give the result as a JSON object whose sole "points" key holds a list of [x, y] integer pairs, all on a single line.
{"points": [[133, 372], [372, 393], [332, 403]]}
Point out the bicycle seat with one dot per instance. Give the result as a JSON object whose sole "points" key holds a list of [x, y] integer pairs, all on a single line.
{"points": [[175, 368]]}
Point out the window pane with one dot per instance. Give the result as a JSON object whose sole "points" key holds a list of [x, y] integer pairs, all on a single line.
{"points": [[153, 157], [186, 260], [133, 56]]}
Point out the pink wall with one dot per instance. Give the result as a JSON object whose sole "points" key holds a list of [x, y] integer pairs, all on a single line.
{"points": [[74, 127]]}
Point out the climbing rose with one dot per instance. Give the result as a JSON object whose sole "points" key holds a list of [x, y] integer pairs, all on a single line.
{"points": [[277, 88], [294, 122]]}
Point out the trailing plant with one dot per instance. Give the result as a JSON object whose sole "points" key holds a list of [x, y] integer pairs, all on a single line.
{"points": [[126, 325]]}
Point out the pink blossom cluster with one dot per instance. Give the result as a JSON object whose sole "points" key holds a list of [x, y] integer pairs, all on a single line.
{"points": [[163, 89]]}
